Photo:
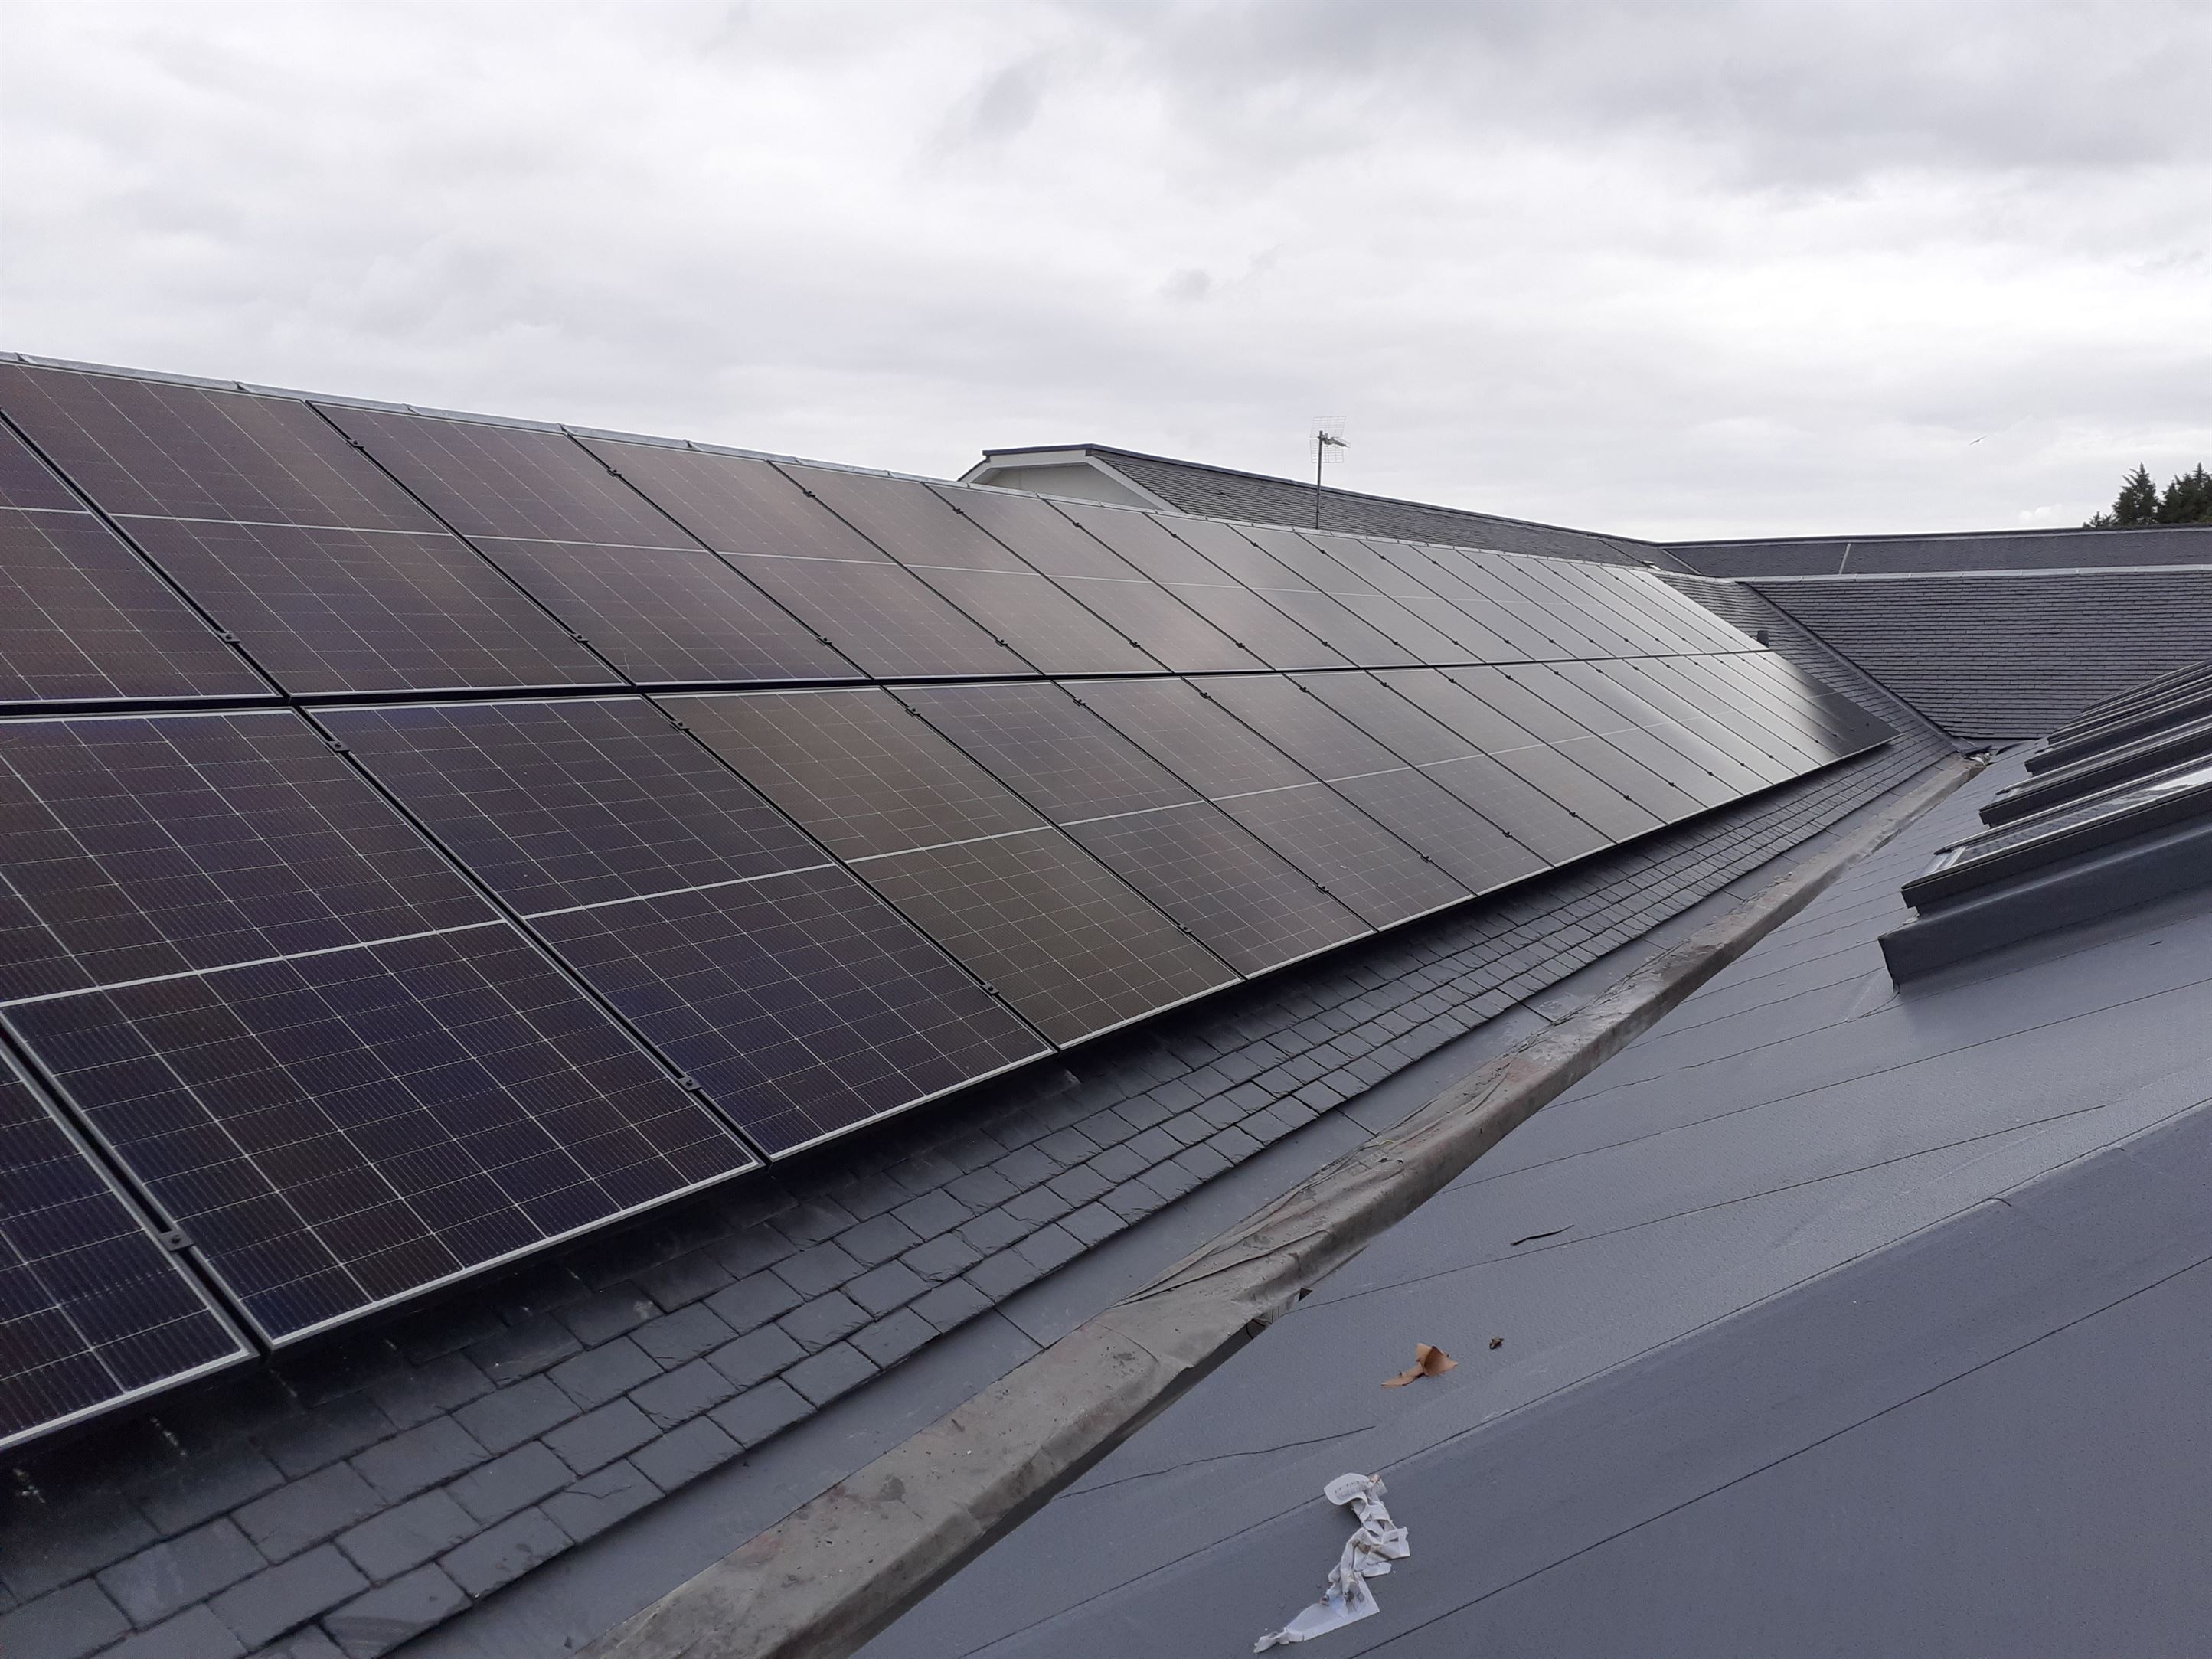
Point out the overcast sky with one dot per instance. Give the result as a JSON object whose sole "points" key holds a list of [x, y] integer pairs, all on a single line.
{"points": [[1656, 269]]}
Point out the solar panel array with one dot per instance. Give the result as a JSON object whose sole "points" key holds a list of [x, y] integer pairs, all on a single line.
{"points": [[428, 837]]}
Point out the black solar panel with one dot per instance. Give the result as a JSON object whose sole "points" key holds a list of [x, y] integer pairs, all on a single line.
{"points": [[1467, 847], [1556, 771], [132, 846], [1583, 693], [487, 480], [881, 615], [1336, 845], [1040, 620], [337, 1130], [1519, 628], [83, 619], [736, 505], [1673, 685], [802, 1003], [1072, 946], [148, 447], [29, 482], [1068, 943], [1061, 757], [92, 1311], [578, 801], [1041, 533], [861, 772], [907, 519], [1612, 739], [330, 612], [1244, 901], [1141, 821], [669, 616], [1523, 813]]}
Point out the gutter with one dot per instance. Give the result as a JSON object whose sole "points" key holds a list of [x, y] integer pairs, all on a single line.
{"points": [[838, 1570]]}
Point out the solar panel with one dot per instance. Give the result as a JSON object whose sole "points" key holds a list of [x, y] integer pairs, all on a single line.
{"points": [[683, 897], [1523, 813], [29, 482], [577, 801], [147, 447], [340, 1129], [882, 616], [340, 610], [92, 1311], [801, 1002], [1351, 856], [1040, 620], [863, 774], [1243, 900], [1611, 738], [668, 617], [1672, 685], [735, 505], [1501, 614], [1581, 691], [1413, 805], [906, 518], [488, 480], [1292, 592], [1074, 947], [83, 620], [1550, 769], [133, 845]]}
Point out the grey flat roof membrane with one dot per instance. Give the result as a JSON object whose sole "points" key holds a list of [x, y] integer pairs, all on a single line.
{"points": [[1835, 1320]]}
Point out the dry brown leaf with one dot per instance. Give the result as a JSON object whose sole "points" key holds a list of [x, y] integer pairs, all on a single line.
{"points": [[1428, 1361]]}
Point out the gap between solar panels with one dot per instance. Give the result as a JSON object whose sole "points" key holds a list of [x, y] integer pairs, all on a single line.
{"points": [[844, 1566]]}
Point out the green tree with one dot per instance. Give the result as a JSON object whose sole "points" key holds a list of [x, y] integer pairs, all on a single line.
{"points": [[2188, 499]]}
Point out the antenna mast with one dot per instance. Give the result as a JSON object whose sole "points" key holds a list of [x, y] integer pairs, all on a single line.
{"points": [[1328, 434]]}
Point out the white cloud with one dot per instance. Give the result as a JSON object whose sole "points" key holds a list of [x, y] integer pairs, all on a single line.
{"points": [[1648, 268]]}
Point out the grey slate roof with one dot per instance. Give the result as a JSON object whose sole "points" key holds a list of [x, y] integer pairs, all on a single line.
{"points": [[392, 1478], [1836, 1321], [1991, 550], [1991, 657], [1254, 498]]}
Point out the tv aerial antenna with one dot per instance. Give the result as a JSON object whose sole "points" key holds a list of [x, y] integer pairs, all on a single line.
{"points": [[1328, 434]]}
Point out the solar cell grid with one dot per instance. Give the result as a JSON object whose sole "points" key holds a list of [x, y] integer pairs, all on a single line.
{"points": [[668, 617], [907, 519], [1040, 620], [1230, 551], [1158, 622], [572, 802], [1307, 557], [861, 772], [1141, 540], [735, 504], [1578, 603], [1045, 537], [487, 480], [1058, 755], [29, 482], [1614, 739], [1072, 946], [802, 1003], [1568, 772], [92, 1309], [1357, 861], [1413, 635], [1686, 758], [1182, 726], [1364, 561], [138, 845], [1671, 684], [330, 612], [1479, 598], [1510, 586], [83, 619], [1244, 901], [337, 1130], [880, 615], [147, 447]]}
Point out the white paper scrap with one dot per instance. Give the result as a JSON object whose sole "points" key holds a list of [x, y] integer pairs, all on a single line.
{"points": [[1368, 1555]]}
